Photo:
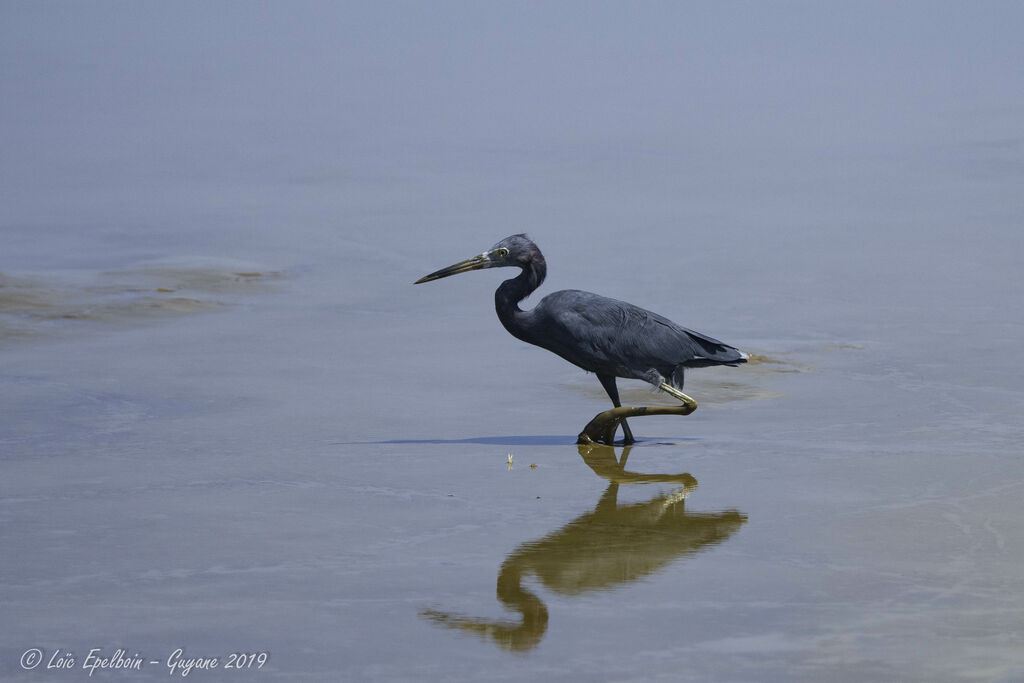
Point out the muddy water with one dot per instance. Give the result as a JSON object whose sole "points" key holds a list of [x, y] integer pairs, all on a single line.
{"points": [[230, 424]]}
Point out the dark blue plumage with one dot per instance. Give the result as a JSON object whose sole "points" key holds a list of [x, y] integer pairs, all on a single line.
{"points": [[605, 336]]}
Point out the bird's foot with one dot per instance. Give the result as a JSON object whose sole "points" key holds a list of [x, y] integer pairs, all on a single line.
{"points": [[686, 400], [602, 428]]}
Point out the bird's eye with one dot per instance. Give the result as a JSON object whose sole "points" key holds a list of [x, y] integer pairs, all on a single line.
{"points": [[501, 251]]}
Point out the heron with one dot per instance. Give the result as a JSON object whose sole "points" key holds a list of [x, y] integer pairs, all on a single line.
{"points": [[607, 337]]}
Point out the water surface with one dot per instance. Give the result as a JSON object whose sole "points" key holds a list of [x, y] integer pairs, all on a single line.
{"points": [[229, 423]]}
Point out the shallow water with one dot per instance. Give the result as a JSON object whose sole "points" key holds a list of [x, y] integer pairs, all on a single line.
{"points": [[229, 423]]}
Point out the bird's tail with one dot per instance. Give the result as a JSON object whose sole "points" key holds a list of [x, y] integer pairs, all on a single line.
{"points": [[718, 355], [710, 351], [726, 356]]}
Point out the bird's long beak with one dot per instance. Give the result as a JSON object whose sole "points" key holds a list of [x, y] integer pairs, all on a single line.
{"points": [[476, 263]]}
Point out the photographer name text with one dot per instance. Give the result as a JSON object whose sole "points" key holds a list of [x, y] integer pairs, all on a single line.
{"points": [[177, 663]]}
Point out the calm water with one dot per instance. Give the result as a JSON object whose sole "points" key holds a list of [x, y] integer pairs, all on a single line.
{"points": [[229, 423]]}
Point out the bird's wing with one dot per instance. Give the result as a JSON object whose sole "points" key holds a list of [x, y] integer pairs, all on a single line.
{"points": [[607, 335]]}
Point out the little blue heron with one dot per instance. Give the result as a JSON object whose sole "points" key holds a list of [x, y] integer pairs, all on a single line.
{"points": [[607, 337]]}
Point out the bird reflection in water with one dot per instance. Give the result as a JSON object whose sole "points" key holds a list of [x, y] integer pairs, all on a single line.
{"points": [[603, 549]]}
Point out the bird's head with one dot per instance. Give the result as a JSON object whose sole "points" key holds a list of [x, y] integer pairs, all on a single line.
{"points": [[516, 250]]}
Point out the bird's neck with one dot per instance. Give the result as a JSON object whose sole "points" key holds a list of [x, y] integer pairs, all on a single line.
{"points": [[511, 292]]}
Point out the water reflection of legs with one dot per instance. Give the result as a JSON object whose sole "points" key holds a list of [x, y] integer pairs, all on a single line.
{"points": [[603, 460]]}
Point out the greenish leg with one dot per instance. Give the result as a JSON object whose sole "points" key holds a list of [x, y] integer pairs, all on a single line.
{"points": [[686, 400]]}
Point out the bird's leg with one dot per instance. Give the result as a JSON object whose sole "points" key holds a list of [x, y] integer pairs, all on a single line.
{"points": [[627, 434], [601, 430], [608, 382], [686, 400]]}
